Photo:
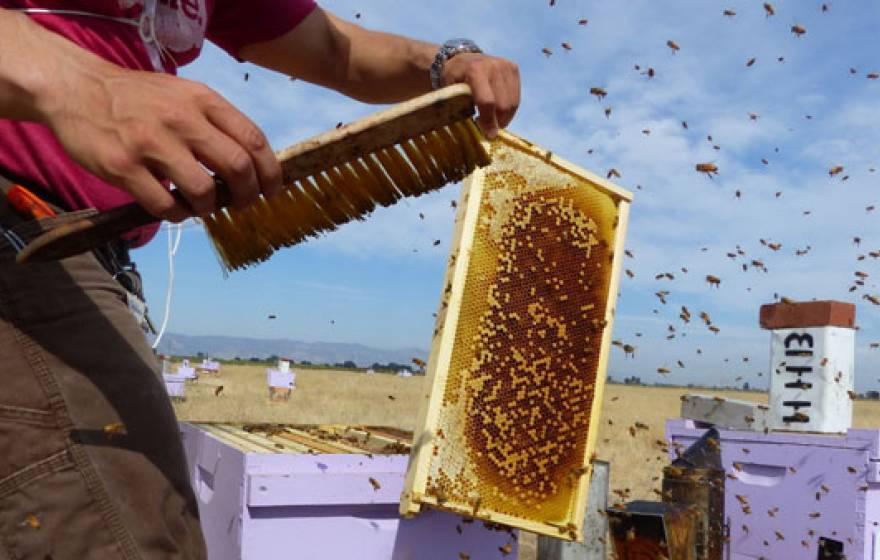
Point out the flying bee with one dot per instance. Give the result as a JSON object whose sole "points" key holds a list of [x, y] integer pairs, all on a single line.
{"points": [[708, 168], [815, 515], [851, 470], [873, 76], [673, 46], [630, 273], [750, 62], [612, 173], [607, 112], [566, 46], [729, 13], [547, 52], [375, 484], [662, 370], [598, 92], [218, 390], [506, 549], [713, 280], [769, 9], [798, 30], [583, 22], [779, 536], [835, 170]]}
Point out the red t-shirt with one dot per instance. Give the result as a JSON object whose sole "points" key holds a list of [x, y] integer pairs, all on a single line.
{"points": [[30, 151]]}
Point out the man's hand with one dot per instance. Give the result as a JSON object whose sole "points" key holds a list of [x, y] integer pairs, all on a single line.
{"points": [[135, 128], [131, 128], [494, 83]]}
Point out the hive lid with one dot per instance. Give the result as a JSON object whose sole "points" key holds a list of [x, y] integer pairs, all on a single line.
{"points": [[805, 314], [521, 344]]}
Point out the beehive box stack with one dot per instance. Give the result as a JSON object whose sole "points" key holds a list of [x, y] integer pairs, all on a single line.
{"points": [[521, 344]]}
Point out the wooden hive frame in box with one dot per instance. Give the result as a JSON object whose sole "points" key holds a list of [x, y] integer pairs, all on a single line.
{"points": [[508, 426]]}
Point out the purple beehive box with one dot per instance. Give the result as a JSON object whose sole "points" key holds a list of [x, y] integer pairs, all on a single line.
{"points": [[272, 506], [797, 489]]}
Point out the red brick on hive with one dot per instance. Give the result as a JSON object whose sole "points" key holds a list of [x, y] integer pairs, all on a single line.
{"points": [[803, 314]]}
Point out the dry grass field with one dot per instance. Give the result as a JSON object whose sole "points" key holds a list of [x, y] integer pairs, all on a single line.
{"points": [[328, 396]]}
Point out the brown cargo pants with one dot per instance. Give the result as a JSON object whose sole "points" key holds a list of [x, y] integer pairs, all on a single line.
{"points": [[91, 462]]}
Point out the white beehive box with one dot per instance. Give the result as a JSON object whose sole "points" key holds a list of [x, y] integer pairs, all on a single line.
{"points": [[812, 348]]}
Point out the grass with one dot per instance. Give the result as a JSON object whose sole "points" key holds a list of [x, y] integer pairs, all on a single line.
{"points": [[333, 396]]}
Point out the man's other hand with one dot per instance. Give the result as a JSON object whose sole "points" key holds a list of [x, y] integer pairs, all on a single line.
{"points": [[495, 85]]}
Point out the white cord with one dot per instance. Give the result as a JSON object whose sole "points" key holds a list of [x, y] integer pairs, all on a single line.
{"points": [[172, 251]]}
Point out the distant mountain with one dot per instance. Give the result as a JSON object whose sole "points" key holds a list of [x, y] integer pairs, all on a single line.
{"points": [[229, 347]]}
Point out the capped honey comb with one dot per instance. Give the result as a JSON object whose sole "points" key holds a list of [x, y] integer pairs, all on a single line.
{"points": [[518, 360]]}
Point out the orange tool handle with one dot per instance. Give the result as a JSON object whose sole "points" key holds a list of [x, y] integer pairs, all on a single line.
{"points": [[27, 203]]}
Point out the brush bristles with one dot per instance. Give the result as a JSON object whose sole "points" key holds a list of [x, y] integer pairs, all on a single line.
{"points": [[320, 203]]}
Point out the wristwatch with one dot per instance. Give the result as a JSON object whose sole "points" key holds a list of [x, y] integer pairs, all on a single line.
{"points": [[449, 49]]}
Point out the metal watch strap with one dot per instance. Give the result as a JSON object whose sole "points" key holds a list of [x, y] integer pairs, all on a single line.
{"points": [[448, 50]]}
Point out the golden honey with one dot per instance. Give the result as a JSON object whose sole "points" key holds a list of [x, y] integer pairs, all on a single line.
{"points": [[520, 368]]}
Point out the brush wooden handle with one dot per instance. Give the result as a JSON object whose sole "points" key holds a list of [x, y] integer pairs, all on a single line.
{"points": [[380, 130]]}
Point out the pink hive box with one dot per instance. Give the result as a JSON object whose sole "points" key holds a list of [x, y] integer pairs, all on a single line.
{"points": [[787, 491], [285, 494]]}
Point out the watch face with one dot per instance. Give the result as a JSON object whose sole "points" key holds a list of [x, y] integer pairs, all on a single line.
{"points": [[458, 43]]}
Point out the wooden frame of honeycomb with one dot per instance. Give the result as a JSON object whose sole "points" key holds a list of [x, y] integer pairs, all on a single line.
{"points": [[521, 344]]}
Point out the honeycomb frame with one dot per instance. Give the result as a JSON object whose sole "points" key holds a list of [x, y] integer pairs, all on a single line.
{"points": [[550, 498]]}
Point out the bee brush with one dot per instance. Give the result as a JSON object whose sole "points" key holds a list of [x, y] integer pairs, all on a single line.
{"points": [[341, 175]]}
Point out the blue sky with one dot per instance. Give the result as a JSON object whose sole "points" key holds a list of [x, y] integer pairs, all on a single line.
{"points": [[378, 282]]}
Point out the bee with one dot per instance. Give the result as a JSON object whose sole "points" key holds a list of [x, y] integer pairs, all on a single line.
{"points": [[680, 364], [824, 7], [375, 484], [873, 76], [218, 390], [650, 72], [246, 76], [392, 398], [547, 52], [729, 13], [824, 488], [632, 431], [873, 299], [764, 161], [742, 499], [750, 62], [114, 430], [713, 280], [779, 536], [583, 21], [798, 30], [357, 15], [31, 521], [815, 515], [462, 555], [851, 470], [506, 549], [598, 92], [629, 350], [566, 46], [662, 370], [630, 273], [769, 9], [754, 116], [708, 168], [612, 173], [607, 112], [746, 450], [684, 124], [673, 46], [835, 170]]}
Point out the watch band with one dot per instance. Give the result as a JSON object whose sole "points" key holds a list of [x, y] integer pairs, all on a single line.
{"points": [[448, 50]]}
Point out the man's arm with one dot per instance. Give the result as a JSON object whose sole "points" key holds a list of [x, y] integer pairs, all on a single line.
{"points": [[383, 68], [130, 127]]}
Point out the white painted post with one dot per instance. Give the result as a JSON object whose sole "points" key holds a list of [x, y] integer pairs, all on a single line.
{"points": [[812, 349], [595, 524]]}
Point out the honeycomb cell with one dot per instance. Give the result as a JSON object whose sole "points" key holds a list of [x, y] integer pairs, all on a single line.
{"points": [[521, 378]]}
